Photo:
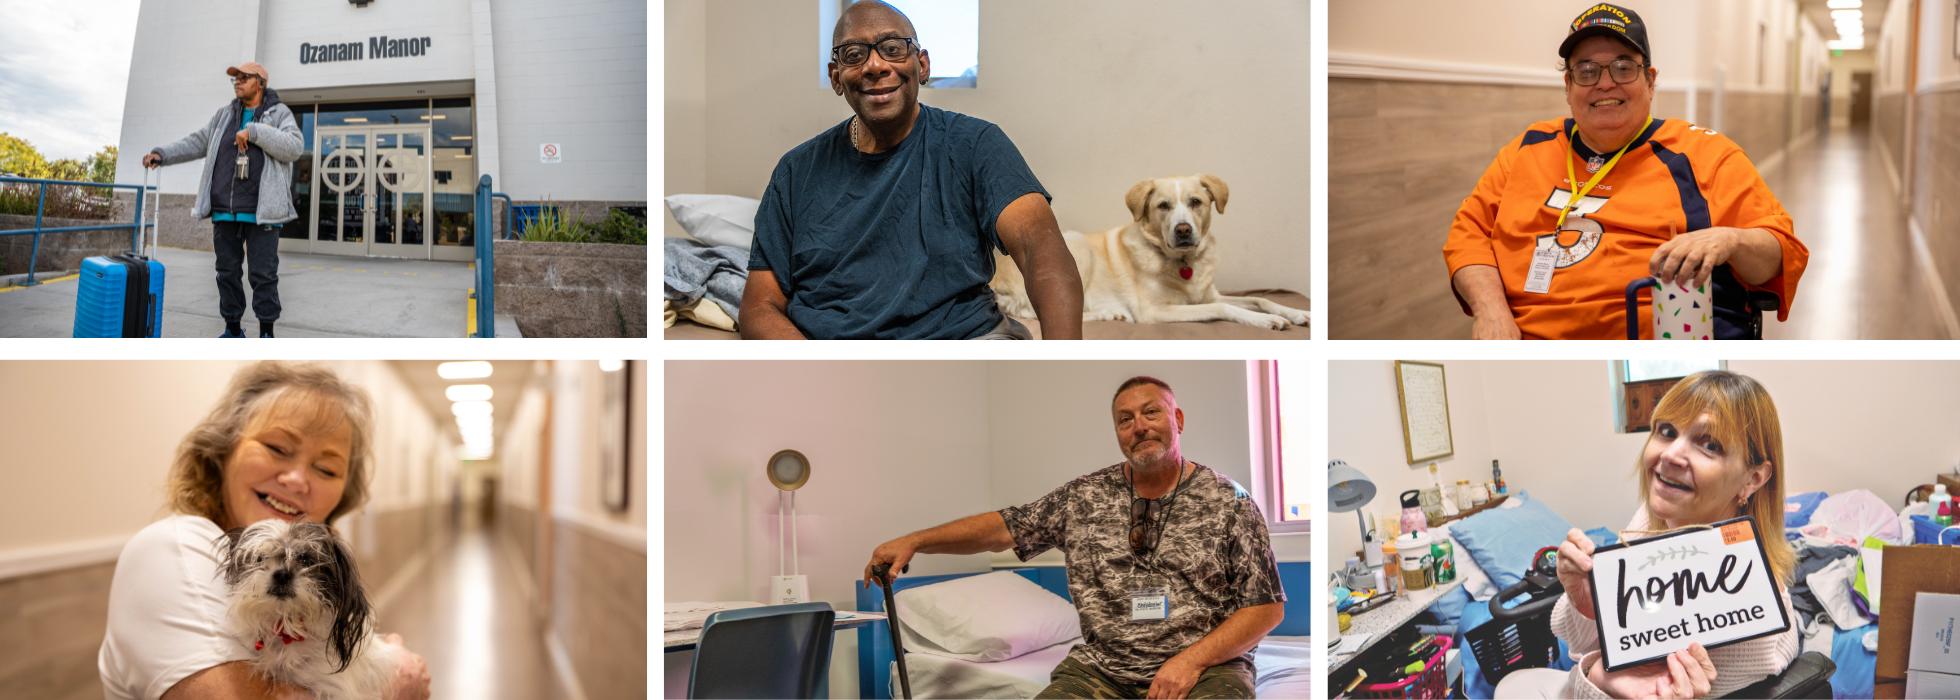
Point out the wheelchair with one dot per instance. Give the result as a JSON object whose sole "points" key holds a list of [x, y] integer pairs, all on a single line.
{"points": [[1738, 311], [1521, 637]]}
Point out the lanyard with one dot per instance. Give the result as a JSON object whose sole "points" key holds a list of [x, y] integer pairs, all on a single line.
{"points": [[1572, 176]]}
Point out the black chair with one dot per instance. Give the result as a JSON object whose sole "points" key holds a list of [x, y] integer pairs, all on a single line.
{"points": [[778, 651]]}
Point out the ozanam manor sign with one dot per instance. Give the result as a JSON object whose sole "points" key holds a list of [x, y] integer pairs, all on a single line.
{"points": [[376, 47], [1658, 595]]}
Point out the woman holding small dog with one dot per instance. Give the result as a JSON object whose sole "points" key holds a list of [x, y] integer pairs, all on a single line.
{"points": [[1715, 453], [287, 442]]}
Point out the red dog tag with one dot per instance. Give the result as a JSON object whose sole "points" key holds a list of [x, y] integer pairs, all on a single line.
{"points": [[1184, 272]]}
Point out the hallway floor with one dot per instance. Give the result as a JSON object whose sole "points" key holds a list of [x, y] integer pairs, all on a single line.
{"points": [[465, 613], [1863, 281]]}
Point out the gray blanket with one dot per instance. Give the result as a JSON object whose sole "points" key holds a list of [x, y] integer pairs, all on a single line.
{"points": [[695, 270]]}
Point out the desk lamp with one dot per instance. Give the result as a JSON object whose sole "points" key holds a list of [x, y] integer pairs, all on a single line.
{"points": [[788, 471], [1349, 489]]}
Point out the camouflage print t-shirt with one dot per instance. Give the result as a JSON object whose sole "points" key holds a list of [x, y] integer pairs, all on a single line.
{"points": [[1214, 554]]}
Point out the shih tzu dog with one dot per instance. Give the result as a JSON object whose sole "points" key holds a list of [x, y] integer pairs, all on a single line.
{"points": [[296, 595]]}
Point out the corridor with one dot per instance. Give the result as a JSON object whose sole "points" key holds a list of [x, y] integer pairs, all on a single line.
{"points": [[1865, 280], [465, 613]]}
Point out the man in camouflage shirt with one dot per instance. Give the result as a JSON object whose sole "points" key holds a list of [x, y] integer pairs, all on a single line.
{"points": [[1171, 605]]}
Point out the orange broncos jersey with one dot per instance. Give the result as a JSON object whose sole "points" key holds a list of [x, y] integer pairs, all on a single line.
{"points": [[1674, 172]]}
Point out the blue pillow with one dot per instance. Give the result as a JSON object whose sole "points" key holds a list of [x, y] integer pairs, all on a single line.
{"points": [[1602, 537], [1503, 540]]}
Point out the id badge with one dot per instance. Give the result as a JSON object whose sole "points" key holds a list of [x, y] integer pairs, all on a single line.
{"points": [[1149, 598], [1543, 262]]}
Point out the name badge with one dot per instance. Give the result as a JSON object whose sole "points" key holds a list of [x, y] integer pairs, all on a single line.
{"points": [[1149, 598], [1543, 262], [1658, 595]]}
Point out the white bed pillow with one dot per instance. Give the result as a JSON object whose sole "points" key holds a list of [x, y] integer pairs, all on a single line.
{"points": [[716, 219], [990, 617]]}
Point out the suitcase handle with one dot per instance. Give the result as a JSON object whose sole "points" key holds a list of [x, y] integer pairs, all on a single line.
{"points": [[155, 216]]}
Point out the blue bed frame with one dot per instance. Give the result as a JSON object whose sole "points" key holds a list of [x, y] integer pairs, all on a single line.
{"points": [[875, 640]]}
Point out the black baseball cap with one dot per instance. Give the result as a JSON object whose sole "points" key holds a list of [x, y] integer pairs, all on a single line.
{"points": [[1608, 20]]}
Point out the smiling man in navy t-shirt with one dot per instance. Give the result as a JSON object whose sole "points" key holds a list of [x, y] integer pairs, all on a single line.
{"points": [[884, 226]]}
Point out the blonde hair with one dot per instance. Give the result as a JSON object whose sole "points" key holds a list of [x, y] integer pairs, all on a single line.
{"points": [[1744, 420], [315, 394]]}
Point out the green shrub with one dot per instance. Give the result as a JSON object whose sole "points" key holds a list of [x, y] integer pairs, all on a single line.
{"points": [[619, 228], [551, 227]]}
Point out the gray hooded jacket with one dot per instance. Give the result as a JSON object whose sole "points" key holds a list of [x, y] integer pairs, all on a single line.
{"points": [[275, 132]]}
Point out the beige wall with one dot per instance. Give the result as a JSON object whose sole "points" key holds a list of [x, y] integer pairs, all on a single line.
{"points": [[98, 438], [1551, 425], [1049, 422], [686, 145], [94, 438], [594, 604], [1149, 89], [1366, 432]]}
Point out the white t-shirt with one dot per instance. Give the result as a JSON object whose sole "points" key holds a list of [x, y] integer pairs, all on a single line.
{"points": [[166, 610]]}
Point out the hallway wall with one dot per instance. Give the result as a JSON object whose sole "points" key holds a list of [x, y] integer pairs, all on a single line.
{"points": [[88, 457], [586, 563], [1416, 113]]}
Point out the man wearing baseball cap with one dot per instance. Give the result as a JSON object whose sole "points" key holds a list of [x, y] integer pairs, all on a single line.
{"points": [[1572, 210], [246, 190]]}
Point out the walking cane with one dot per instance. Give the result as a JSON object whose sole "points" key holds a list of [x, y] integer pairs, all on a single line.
{"points": [[891, 613]]}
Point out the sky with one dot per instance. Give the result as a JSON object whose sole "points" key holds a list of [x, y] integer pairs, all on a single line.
{"points": [[64, 70]]}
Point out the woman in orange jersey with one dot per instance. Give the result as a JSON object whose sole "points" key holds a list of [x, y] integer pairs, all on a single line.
{"points": [[1654, 197]]}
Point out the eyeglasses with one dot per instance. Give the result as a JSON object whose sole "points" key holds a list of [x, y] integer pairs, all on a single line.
{"points": [[1586, 73], [240, 80], [1144, 529], [852, 55]]}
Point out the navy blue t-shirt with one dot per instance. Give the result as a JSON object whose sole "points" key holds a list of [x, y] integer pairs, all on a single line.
{"points": [[896, 244]]}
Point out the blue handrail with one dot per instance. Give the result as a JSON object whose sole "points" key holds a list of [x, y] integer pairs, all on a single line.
{"points": [[510, 209], [486, 263], [40, 208]]}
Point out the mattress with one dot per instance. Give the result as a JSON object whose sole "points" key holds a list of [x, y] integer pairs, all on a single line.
{"points": [[1108, 330], [1282, 669]]}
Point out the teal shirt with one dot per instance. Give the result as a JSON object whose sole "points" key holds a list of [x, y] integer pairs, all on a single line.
{"points": [[228, 216]]}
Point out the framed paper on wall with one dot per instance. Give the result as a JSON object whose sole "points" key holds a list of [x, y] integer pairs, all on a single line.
{"points": [[615, 421], [1425, 410]]}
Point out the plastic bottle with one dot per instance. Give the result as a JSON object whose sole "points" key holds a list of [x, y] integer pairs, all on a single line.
{"points": [[1939, 496], [1945, 518]]}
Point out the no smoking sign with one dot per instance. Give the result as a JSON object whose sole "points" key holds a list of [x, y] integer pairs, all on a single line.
{"points": [[549, 153]]}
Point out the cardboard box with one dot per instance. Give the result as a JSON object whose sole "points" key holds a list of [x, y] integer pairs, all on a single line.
{"points": [[1934, 671], [1908, 571]]}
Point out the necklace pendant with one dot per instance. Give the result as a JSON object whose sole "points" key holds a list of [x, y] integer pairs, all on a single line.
{"points": [[1594, 163]]}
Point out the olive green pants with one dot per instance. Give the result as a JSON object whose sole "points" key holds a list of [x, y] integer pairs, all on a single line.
{"points": [[1074, 679]]}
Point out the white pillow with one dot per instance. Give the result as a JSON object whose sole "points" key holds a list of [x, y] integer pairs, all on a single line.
{"points": [[716, 219], [990, 617]]}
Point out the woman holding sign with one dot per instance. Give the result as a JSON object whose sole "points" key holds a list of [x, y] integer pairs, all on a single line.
{"points": [[1715, 454]]}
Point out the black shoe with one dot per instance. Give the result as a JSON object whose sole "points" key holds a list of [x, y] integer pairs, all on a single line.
{"points": [[265, 329]]}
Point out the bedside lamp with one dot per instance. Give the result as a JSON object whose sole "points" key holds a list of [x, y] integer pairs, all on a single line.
{"points": [[1349, 489], [788, 471]]}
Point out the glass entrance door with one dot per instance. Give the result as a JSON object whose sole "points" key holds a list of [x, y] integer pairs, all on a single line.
{"points": [[373, 185]]}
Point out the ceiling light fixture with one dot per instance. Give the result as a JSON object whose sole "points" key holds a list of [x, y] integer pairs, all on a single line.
{"points": [[469, 392], [464, 370]]}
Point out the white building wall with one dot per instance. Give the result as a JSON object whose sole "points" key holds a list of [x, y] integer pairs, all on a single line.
{"points": [[287, 25], [573, 73], [177, 80]]}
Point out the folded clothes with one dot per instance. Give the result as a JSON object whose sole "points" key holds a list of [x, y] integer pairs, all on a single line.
{"points": [[694, 271], [1814, 555]]}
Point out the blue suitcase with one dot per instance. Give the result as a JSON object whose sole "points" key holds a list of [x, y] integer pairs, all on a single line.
{"points": [[121, 296]]}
